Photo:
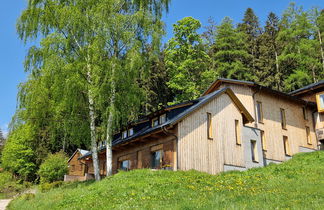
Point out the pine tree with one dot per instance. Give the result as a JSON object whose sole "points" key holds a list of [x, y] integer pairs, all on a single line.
{"points": [[251, 27], [229, 53], [269, 72]]}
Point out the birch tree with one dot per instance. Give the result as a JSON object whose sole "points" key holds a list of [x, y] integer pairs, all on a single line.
{"points": [[101, 41]]}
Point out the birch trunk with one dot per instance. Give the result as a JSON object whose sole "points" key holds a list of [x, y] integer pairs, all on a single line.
{"points": [[109, 137], [277, 68], [321, 47], [94, 149]]}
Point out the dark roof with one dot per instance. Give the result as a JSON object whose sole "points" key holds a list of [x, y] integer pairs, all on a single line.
{"points": [[184, 112], [308, 87], [81, 151], [259, 88]]}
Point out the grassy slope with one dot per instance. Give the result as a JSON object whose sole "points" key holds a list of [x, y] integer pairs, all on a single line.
{"points": [[298, 183]]}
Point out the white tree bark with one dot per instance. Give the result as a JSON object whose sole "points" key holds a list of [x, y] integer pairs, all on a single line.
{"points": [[321, 47], [109, 136], [94, 148]]}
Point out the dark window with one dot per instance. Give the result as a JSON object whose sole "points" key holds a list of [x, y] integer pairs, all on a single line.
{"points": [[157, 159], [155, 122], [259, 112], [124, 135], [131, 132], [305, 113], [124, 165], [283, 118], [162, 118], [254, 151]]}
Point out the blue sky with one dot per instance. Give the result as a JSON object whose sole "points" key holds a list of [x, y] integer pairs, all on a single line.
{"points": [[13, 51]]}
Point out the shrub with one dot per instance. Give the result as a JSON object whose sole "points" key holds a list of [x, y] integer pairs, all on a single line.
{"points": [[53, 168], [18, 157], [44, 187]]}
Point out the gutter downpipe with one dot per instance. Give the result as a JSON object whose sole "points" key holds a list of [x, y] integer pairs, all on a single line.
{"points": [[165, 130], [254, 107]]}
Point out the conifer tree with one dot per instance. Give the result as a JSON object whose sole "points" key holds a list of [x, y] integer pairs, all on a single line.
{"points": [[251, 27], [229, 53], [269, 72]]}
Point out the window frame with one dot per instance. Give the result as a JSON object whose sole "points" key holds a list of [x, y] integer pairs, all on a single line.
{"points": [[121, 162], [318, 102], [286, 146], [155, 119], [129, 132], [209, 126], [308, 135], [259, 109], [124, 136], [254, 151], [163, 116], [238, 133], [153, 159], [283, 118], [263, 140], [305, 114]]}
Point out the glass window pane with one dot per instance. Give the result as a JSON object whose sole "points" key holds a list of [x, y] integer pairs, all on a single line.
{"points": [[156, 159], [321, 101]]}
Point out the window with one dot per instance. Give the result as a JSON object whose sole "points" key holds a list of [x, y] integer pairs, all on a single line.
{"points": [[254, 151], [209, 126], [259, 112], [156, 159], [286, 145], [124, 165], [130, 132], [237, 132], [309, 140], [162, 118], [263, 141], [320, 102], [124, 134], [283, 118], [305, 113], [155, 122]]}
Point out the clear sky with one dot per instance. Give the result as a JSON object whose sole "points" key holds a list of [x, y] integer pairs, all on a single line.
{"points": [[13, 51]]}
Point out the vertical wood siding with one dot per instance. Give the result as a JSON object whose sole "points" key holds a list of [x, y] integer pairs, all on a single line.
{"points": [[196, 151], [271, 104], [76, 168]]}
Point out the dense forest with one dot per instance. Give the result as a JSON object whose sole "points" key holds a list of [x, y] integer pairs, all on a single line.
{"points": [[101, 64]]}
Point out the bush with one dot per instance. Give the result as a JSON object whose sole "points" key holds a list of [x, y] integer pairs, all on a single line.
{"points": [[44, 187], [18, 157], [53, 168]]}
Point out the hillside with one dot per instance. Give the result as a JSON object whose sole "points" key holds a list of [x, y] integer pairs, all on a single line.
{"points": [[295, 184]]}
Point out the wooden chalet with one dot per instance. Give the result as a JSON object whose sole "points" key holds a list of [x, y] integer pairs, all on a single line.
{"points": [[234, 125]]}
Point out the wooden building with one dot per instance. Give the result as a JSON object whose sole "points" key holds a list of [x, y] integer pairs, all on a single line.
{"points": [[235, 125]]}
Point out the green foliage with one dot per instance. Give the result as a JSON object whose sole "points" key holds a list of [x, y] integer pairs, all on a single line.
{"points": [[295, 184], [10, 186], [46, 186], [186, 60], [53, 168], [18, 156], [230, 53]]}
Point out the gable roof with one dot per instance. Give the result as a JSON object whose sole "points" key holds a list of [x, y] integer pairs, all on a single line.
{"points": [[184, 112], [220, 81], [308, 88], [81, 151]]}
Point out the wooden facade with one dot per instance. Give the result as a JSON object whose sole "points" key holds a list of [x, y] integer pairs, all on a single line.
{"points": [[241, 125], [76, 167], [197, 151], [271, 125]]}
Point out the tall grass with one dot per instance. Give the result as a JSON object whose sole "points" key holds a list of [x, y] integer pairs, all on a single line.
{"points": [[296, 184]]}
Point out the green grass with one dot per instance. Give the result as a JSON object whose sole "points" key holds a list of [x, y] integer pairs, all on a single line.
{"points": [[295, 184], [9, 186]]}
